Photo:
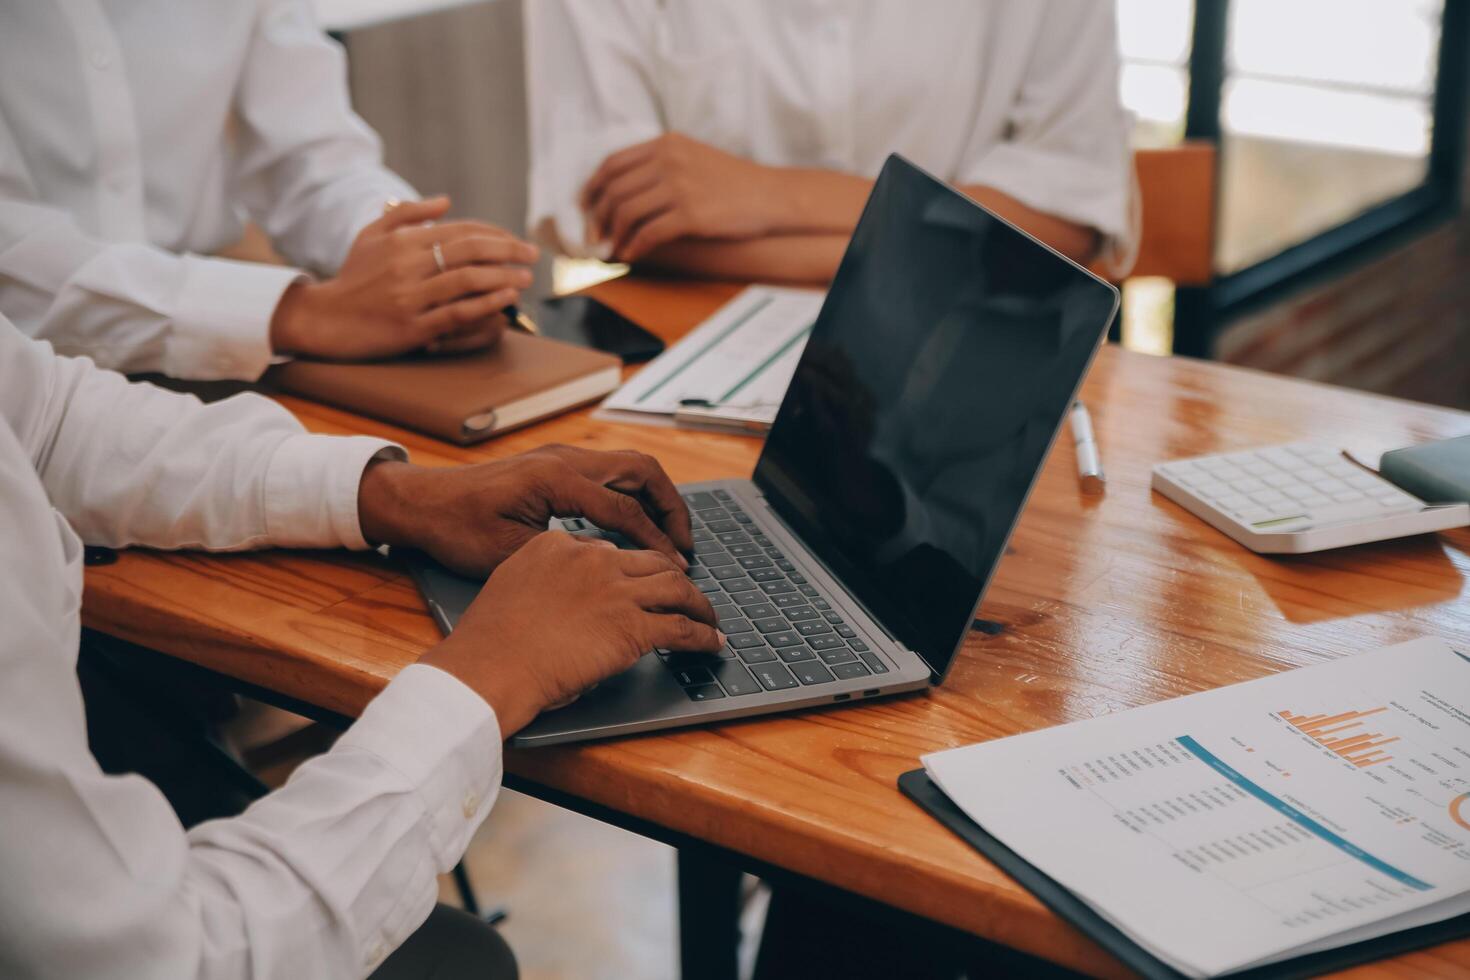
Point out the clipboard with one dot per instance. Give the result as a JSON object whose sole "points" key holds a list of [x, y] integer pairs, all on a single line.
{"points": [[917, 786], [728, 374]]}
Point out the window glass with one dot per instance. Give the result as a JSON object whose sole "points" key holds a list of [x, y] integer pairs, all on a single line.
{"points": [[1154, 39], [1326, 112]]}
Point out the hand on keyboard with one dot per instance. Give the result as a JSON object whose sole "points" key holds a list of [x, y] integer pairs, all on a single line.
{"points": [[560, 615], [782, 632], [471, 518]]}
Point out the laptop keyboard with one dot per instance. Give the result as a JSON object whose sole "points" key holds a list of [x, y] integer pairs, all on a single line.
{"points": [[783, 633]]}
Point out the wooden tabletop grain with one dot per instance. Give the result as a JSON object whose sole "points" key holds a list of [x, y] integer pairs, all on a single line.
{"points": [[1107, 603]]}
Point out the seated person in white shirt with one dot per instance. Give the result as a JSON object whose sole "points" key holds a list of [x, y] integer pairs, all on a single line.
{"points": [[740, 138], [135, 141], [327, 875]]}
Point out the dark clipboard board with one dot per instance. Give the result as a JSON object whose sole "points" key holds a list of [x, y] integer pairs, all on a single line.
{"points": [[917, 786]]}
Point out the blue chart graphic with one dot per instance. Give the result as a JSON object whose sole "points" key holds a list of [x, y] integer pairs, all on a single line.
{"points": [[1296, 816]]}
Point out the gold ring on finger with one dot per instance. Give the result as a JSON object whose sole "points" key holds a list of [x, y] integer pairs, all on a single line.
{"points": [[439, 257]]}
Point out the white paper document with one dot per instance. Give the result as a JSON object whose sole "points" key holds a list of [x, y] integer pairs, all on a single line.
{"points": [[1303, 811], [742, 358]]}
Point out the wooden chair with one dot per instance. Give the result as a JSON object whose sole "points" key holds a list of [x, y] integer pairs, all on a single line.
{"points": [[1176, 241], [1177, 185]]}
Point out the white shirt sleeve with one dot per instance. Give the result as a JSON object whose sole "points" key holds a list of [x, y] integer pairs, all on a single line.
{"points": [[320, 879], [302, 165], [310, 171], [590, 92], [129, 305], [1068, 152], [133, 464]]}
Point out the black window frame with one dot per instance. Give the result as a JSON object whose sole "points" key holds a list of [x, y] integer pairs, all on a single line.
{"points": [[1201, 311]]}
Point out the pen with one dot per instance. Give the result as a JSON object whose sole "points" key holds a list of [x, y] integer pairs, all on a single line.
{"points": [[519, 321], [1089, 464], [704, 414]]}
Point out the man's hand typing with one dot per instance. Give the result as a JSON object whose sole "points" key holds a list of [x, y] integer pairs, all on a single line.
{"points": [[562, 614], [471, 518]]}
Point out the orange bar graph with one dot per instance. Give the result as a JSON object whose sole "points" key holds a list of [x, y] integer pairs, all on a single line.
{"points": [[1335, 722], [1338, 744], [1334, 729], [1342, 733]]}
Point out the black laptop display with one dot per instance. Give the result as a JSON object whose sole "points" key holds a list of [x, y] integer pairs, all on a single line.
{"points": [[941, 366], [925, 403]]}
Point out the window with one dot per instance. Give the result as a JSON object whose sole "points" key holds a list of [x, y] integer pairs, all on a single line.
{"points": [[1314, 134], [1154, 40], [1338, 124]]}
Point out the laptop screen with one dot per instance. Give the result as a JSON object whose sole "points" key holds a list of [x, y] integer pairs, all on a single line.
{"points": [[948, 350]]}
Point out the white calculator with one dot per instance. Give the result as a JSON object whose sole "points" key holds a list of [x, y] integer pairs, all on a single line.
{"points": [[1299, 498]]}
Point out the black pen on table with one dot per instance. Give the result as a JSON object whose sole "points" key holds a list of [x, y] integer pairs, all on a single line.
{"points": [[519, 321]]}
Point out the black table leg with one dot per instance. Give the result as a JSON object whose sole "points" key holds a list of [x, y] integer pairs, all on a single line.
{"points": [[709, 915]]}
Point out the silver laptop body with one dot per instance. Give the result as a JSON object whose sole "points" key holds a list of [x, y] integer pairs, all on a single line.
{"points": [[948, 350]]}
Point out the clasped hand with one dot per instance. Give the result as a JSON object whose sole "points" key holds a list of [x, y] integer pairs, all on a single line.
{"points": [[391, 296], [672, 187]]}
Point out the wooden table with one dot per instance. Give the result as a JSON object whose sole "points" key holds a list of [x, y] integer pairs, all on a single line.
{"points": [[1107, 603]]}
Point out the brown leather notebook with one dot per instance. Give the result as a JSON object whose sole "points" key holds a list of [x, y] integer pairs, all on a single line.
{"points": [[460, 398]]}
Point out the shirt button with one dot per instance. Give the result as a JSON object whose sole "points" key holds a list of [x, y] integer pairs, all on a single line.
{"points": [[101, 60], [471, 804]]}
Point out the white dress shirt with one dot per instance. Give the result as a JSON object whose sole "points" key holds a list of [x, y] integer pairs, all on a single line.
{"points": [[321, 878], [1017, 95], [136, 136]]}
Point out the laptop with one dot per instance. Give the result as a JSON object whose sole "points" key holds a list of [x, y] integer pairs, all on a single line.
{"points": [[851, 564]]}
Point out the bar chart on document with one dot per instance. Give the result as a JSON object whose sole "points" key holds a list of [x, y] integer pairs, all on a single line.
{"points": [[1312, 807]]}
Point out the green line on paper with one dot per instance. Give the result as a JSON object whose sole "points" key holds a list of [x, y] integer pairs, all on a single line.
{"points": [[739, 322], [800, 335]]}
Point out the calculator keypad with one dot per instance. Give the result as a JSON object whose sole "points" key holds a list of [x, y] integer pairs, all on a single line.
{"points": [[1289, 488]]}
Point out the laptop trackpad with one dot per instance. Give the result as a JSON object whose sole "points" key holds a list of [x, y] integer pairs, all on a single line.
{"points": [[645, 691]]}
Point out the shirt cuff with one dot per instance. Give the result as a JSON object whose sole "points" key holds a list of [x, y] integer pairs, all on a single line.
{"points": [[223, 318], [445, 739], [311, 486]]}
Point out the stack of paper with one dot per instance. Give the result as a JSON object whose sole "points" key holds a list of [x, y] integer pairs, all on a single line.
{"points": [[1251, 824], [737, 363]]}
